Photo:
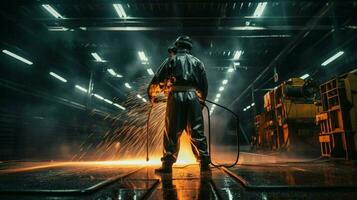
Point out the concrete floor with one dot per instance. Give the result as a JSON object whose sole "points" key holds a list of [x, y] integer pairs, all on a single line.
{"points": [[318, 179]]}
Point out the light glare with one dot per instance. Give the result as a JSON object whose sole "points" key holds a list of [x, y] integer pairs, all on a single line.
{"points": [[305, 76], [260, 8], [127, 85], [52, 11], [98, 96], [17, 57], [119, 106], [332, 58], [97, 57], [58, 77], [150, 72], [120, 10], [237, 55], [81, 88]]}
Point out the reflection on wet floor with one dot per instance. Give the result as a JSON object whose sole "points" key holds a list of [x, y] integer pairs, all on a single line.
{"points": [[270, 181]]}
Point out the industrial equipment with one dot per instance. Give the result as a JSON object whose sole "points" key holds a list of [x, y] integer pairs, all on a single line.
{"points": [[338, 122], [287, 121]]}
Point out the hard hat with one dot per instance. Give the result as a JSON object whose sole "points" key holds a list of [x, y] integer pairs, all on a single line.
{"points": [[184, 41]]}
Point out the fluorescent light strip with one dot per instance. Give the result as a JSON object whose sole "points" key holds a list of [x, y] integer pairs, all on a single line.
{"points": [[139, 96], [58, 77], [98, 96], [113, 73], [17, 57], [221, 88], [119, 106], [230, 70], [58, 28], [150, 72], [332, 58], [81, 88], [218, 95], [120, 10], [224, 82], [97, 57], [52, 11], [142, 56], [304, 76], [259, 10], [237, 55], [216, 100], [127, 85], [108, 101], [144, 100]]}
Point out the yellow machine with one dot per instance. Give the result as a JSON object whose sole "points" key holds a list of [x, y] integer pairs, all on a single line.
{"points": [[288, 118], [338, 122]]}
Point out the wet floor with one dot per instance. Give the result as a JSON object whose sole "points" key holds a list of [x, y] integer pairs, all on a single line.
{"points": [[320, 179]]}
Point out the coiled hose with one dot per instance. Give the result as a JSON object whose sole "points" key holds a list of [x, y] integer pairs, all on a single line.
{"points": [[209, 133]]}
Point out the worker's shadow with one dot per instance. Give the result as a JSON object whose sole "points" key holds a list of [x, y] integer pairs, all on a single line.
{"points": [[187, 188]]}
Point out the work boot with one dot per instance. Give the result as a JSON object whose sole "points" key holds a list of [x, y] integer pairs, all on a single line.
{"points": [[165, 168], [204, 167]]}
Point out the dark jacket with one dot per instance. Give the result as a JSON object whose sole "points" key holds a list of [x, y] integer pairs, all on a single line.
{"points": [[187, 71]]}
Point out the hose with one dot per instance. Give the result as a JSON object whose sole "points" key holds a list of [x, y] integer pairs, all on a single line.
{"points": [[209, 133]]}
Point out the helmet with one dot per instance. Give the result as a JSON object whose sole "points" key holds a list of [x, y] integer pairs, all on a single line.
{"points": [[184, 41], [172, 49]]}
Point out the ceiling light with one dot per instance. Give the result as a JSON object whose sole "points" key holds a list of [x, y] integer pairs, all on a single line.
{"points": [[221, 88], [216, 100], [17, 57], [253, 104], [119, 106], [112, 72], [127, 85], [108, 101], [218, 95], [120, 10], [97, 57], [259, 10], [244, 109], [224, 82], [248, 107], [332, 58], [61, 28], [58, 77], [230, 70], [98, 96], [52, 11], [139, 96], [150, 72], [236, 64], [144, 100], [142, 56], [237, 55], [304, 76], [81, 88]]}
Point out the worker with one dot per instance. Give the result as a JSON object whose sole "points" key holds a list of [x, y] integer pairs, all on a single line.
{"points": [[185, 75]]}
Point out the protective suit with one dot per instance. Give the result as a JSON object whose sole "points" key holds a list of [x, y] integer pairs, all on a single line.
{"points": [[183, 78]]}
